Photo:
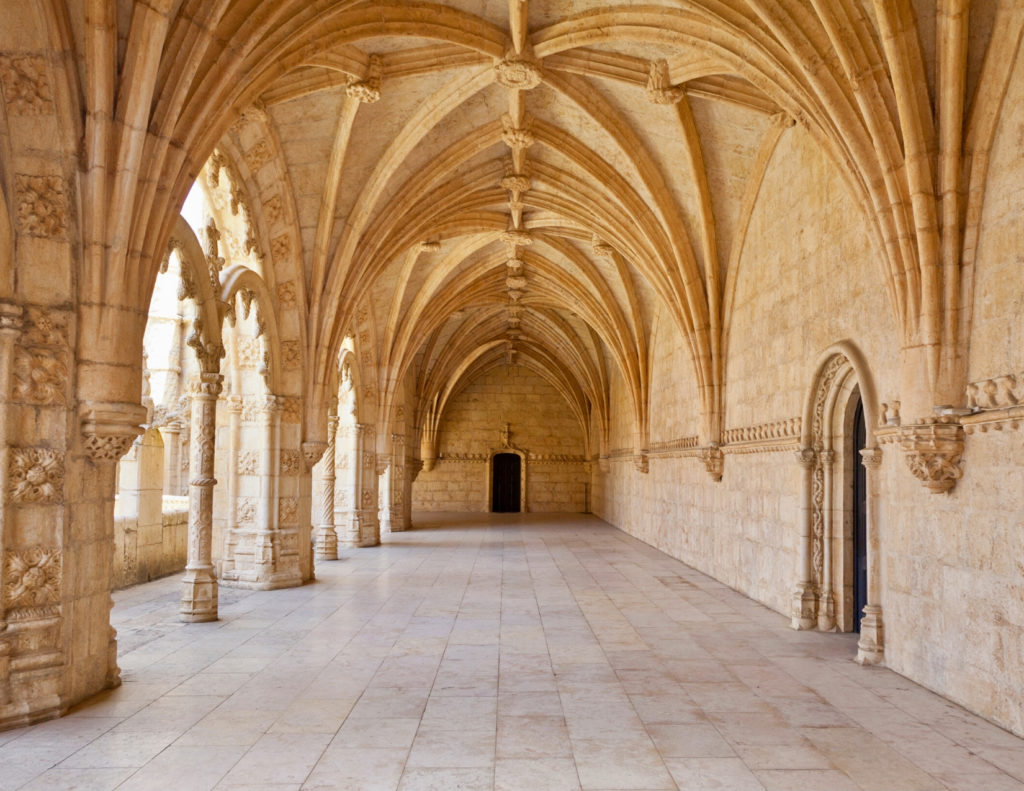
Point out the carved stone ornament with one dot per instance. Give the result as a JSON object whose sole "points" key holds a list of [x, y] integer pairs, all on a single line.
{"points": [[518, 72], [641, 462], [516, 137], [109, 428], [312, 451], [26, 85], [36, 475], [289, 464], [659, 86], [1001, 392], [42, 205], [32, 577], [934, 450], [367, 90], [713, 460]]}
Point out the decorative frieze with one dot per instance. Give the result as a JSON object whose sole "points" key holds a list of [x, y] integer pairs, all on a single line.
{"points": [[777, 430], [933, 449], [42, 205], [1001, 392], [36, 475], [32, 577], [26, 85]]}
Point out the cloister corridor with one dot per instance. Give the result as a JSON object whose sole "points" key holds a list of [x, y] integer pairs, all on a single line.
{"points": [[504, 651]]}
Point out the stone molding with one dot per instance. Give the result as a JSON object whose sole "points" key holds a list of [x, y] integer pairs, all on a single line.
{"points": [[788, 429], [110, 428]]}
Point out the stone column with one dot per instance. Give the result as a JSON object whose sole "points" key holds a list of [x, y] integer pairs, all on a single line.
{"points": [[10, 327], [805, 595], [347, 469], [325, 539], [199, 587], [871, 646], [172, 456], [235, 404], [827, 604], [266, 510]]}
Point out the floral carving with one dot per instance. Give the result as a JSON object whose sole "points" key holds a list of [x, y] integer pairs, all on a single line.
{"points": [[289, 462], [286, 294], [280, 247], [26, 85], [32, 577], [291, 354], [258, 156], [289, 510], [934, 451], [248, 352], [291, 409], [367, 90], [36, 475], [273, 210], [248, 462], [40, 364], [246, 513], [42, 205]]}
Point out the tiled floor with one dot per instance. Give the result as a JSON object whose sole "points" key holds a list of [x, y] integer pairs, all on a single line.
{"points": [[500, 652]]}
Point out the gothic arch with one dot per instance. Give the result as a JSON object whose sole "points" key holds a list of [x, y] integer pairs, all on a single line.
{"points": [[841, 377]]}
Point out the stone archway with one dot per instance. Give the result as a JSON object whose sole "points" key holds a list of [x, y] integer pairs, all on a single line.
{"points": [[823, 596]]}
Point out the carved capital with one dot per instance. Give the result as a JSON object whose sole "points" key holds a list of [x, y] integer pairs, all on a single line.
{"points": [[806, 458], [209, 385], [110, 428], [933, 449], [641, 462], [828, 457], [312, 452], [516, 71], [414, 466], [713, 460], [871, 458]]}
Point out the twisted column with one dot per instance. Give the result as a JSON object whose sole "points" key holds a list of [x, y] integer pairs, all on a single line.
{"points": [[199, 587], [325, 539]]}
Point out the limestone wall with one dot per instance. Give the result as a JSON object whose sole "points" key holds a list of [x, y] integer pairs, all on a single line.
{"points": [[542, 426], [952, 590]]}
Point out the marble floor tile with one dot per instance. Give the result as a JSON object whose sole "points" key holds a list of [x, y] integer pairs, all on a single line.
{"points": [[490, 652]]}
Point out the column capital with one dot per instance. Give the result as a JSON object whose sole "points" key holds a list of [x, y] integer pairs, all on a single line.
{"points": [[871, 458], [312, 451], [110, 428], [806, 458], [209, 385]]}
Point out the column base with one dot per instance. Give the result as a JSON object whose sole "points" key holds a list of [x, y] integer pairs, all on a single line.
{"points": [[325, 543], [871, 646], [199, 595], [805, 606], [826, 612]]}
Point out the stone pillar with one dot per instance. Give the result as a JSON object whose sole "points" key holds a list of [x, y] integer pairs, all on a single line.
{"points": [[172, 456], [235, 404], [199, 587], [266, 509], [346, 491], [10, 327], [827, 603], [805, 594], [325, 539], [369, 523], [871, 646], [397, 514]]}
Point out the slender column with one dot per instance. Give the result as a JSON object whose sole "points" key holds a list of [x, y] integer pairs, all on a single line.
{"points": [[266, 511], [10, 327], [235, 404], [805, 595], [827, 603], [347, 492], [325, 539], [199, 588], [172, 456], [871, 647]]}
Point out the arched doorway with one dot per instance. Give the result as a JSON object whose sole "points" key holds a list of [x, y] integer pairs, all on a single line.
{"points": [[505, 483], [859, 531]]}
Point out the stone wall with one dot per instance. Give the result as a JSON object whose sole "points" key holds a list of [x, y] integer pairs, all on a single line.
{"points": [[542, 426], [951, 576]]}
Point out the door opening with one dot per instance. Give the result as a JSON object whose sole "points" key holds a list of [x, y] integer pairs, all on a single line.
{"points": [[505, 482], [860, 519]]}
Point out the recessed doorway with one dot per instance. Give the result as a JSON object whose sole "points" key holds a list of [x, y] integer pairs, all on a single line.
{"points": [[860, 518], [505, 478]]}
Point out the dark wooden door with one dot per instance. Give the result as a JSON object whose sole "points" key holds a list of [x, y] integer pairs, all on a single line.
{"points": [[860, 519], [505, 483]]}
